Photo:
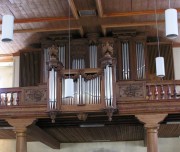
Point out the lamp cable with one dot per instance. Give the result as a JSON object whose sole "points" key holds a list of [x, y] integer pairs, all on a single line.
{"points": [[69, 39], [157, 28]]}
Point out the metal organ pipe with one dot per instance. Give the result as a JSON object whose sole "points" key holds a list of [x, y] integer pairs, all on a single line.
{"points": [[108, 85], [125, 60], [93, 56], [86, 91], [52, 88], [140, 60]]}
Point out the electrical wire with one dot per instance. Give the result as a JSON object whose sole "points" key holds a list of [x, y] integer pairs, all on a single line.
{"points": [[157, 28]]}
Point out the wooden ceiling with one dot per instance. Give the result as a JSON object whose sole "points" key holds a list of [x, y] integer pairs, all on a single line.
{"points": [[35, 19], [69, 128]]}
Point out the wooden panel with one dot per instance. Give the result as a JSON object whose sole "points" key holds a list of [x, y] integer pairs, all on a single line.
{"points": [[30, 63], [130, 90], [116, 6], [111, 133], [85, 4], [169, 130], [166, 52]]}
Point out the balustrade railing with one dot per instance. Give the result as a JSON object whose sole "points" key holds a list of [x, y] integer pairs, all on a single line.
{"points": [[23, 96], [10, 96], [145, 90], [163, 90]]}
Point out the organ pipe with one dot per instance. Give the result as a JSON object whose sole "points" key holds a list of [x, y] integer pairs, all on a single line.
{"points": [[93, 56], [108, 83], [140, 60], [85, 91], [52, 89]]}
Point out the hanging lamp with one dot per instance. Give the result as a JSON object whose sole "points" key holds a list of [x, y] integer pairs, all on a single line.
{"points": [[160, 70], [7, 28], [171, 22]]}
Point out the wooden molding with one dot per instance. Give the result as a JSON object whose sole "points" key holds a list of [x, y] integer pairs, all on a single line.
{"points": [[42, 136], [148, 107]]}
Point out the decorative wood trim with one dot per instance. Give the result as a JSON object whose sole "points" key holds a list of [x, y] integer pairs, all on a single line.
{"points": [[130, 90], [20, 123], [27, 111], [151, 120]]}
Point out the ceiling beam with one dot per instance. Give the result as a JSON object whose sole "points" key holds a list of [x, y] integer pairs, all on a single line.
{"points": [[73, 9], [136, 13], [40, 135], [41, 19], [80, 29], [99, 8], [135, 24]]}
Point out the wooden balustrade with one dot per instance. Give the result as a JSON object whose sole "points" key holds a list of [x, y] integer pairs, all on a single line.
{"points": [[10, 96], [163, 90], [23, 96], [142, 90]]}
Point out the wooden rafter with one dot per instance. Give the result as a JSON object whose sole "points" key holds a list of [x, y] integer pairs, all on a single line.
{"points": [[136, 13], [42, 136], [43, 19], [49, 30], [99, 8], [73, 9]]}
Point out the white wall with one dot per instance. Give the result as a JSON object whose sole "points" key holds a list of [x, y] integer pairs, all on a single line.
{"points": [[6, 73], [176, 56], [165, 145]]}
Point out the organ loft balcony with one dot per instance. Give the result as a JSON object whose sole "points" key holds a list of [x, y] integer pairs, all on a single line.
{"points": [[110, 76]]}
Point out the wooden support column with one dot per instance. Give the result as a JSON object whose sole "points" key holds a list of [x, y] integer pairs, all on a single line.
{"points": [[20, 127], [151, 124]]}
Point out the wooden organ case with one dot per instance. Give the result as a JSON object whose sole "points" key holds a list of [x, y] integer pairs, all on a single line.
{"points": [[104, 71]]}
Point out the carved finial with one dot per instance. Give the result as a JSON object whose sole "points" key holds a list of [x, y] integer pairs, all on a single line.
{"points": [[107, 49], [109, 111], [82, 116], [53, 115], [53, 53]]}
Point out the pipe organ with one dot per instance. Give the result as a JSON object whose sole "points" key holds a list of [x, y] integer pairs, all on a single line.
{"points": [[108, 85], [125, 61], [61, 58], [140, 60], [78, 63], [87, 89], [93, 56], [132, 60], [92, 67]]}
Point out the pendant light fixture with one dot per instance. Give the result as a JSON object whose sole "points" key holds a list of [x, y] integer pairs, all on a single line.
{"points": [[160, 70], [69, 83], [7, 28], [171, 22]]}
